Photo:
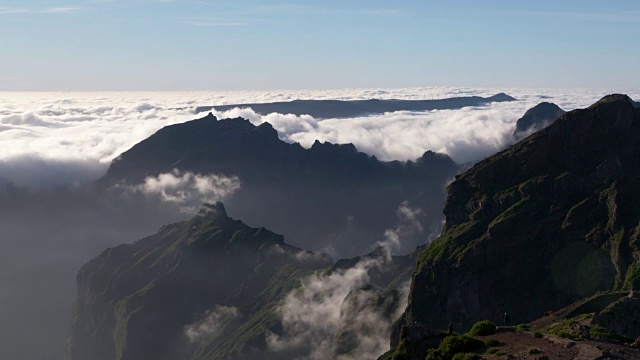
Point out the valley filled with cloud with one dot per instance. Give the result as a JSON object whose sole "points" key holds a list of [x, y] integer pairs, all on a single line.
{"points": [[62, 138]]}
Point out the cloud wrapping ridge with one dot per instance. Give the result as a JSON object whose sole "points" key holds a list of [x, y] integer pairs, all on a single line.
{"points": [[211, 323], [314, 314], [95, 127]]}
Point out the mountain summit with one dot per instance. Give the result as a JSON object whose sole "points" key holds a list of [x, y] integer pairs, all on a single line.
{"points": [[537, 118], [546, 222]]}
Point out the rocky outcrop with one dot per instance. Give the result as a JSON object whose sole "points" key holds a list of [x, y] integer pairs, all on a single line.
{"points": [[537, 118], [622, 316], [548, 221], [326, 196]]}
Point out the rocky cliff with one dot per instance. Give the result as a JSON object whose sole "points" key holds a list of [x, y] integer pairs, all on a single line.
{"points": [[546, 222]]}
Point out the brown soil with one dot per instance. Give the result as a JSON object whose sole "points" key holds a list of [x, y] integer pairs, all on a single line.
{"points": [[526, 346]]}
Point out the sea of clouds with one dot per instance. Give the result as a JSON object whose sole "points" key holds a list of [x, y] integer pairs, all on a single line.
{"points": [[65, 137], [62, 138]]}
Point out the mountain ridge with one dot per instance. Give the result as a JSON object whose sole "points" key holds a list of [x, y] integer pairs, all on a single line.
{"points": [[211, 288], [324, 109]]}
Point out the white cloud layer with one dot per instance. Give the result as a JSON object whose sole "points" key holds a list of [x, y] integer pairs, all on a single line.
{"points": [[95, 127]]}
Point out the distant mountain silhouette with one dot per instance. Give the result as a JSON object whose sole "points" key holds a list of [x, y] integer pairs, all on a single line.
{"points": [[537, 118], [326, 196], [325, 109]]}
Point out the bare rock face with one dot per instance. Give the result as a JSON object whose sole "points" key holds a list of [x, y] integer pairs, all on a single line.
{"points": [[622, 316], [551, 220]]}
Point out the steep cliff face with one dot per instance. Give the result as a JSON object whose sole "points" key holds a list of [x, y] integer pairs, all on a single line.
{"points": [[544, 223], [327, 196]]}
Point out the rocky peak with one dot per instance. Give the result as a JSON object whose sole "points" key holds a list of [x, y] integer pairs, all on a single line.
{"points": [[328, 147], [537, 118], [501, 97], [613, 98], [267, 130], [214, 211]]}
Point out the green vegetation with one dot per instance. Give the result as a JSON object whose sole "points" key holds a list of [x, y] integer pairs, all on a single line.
{"points": [[482, 328], [455, 345], [442, 247], [581, 328], [492, 343], [522, 328], [466, 357], [495, 351], [598, 331], [575, 328]]}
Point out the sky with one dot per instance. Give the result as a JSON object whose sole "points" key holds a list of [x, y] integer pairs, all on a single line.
{"points": [[165, 45]]}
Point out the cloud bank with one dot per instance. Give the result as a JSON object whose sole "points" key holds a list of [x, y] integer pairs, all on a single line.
{"points": [[313, 315], [71, 130]]}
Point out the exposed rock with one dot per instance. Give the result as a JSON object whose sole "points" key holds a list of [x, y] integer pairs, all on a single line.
{"points": [[621, 317]]}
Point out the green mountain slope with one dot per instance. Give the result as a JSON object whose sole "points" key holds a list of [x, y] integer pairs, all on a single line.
{"points": [[213, 288]]}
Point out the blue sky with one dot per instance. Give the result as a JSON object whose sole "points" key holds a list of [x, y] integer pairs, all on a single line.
{"points": [[219, 44]]}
